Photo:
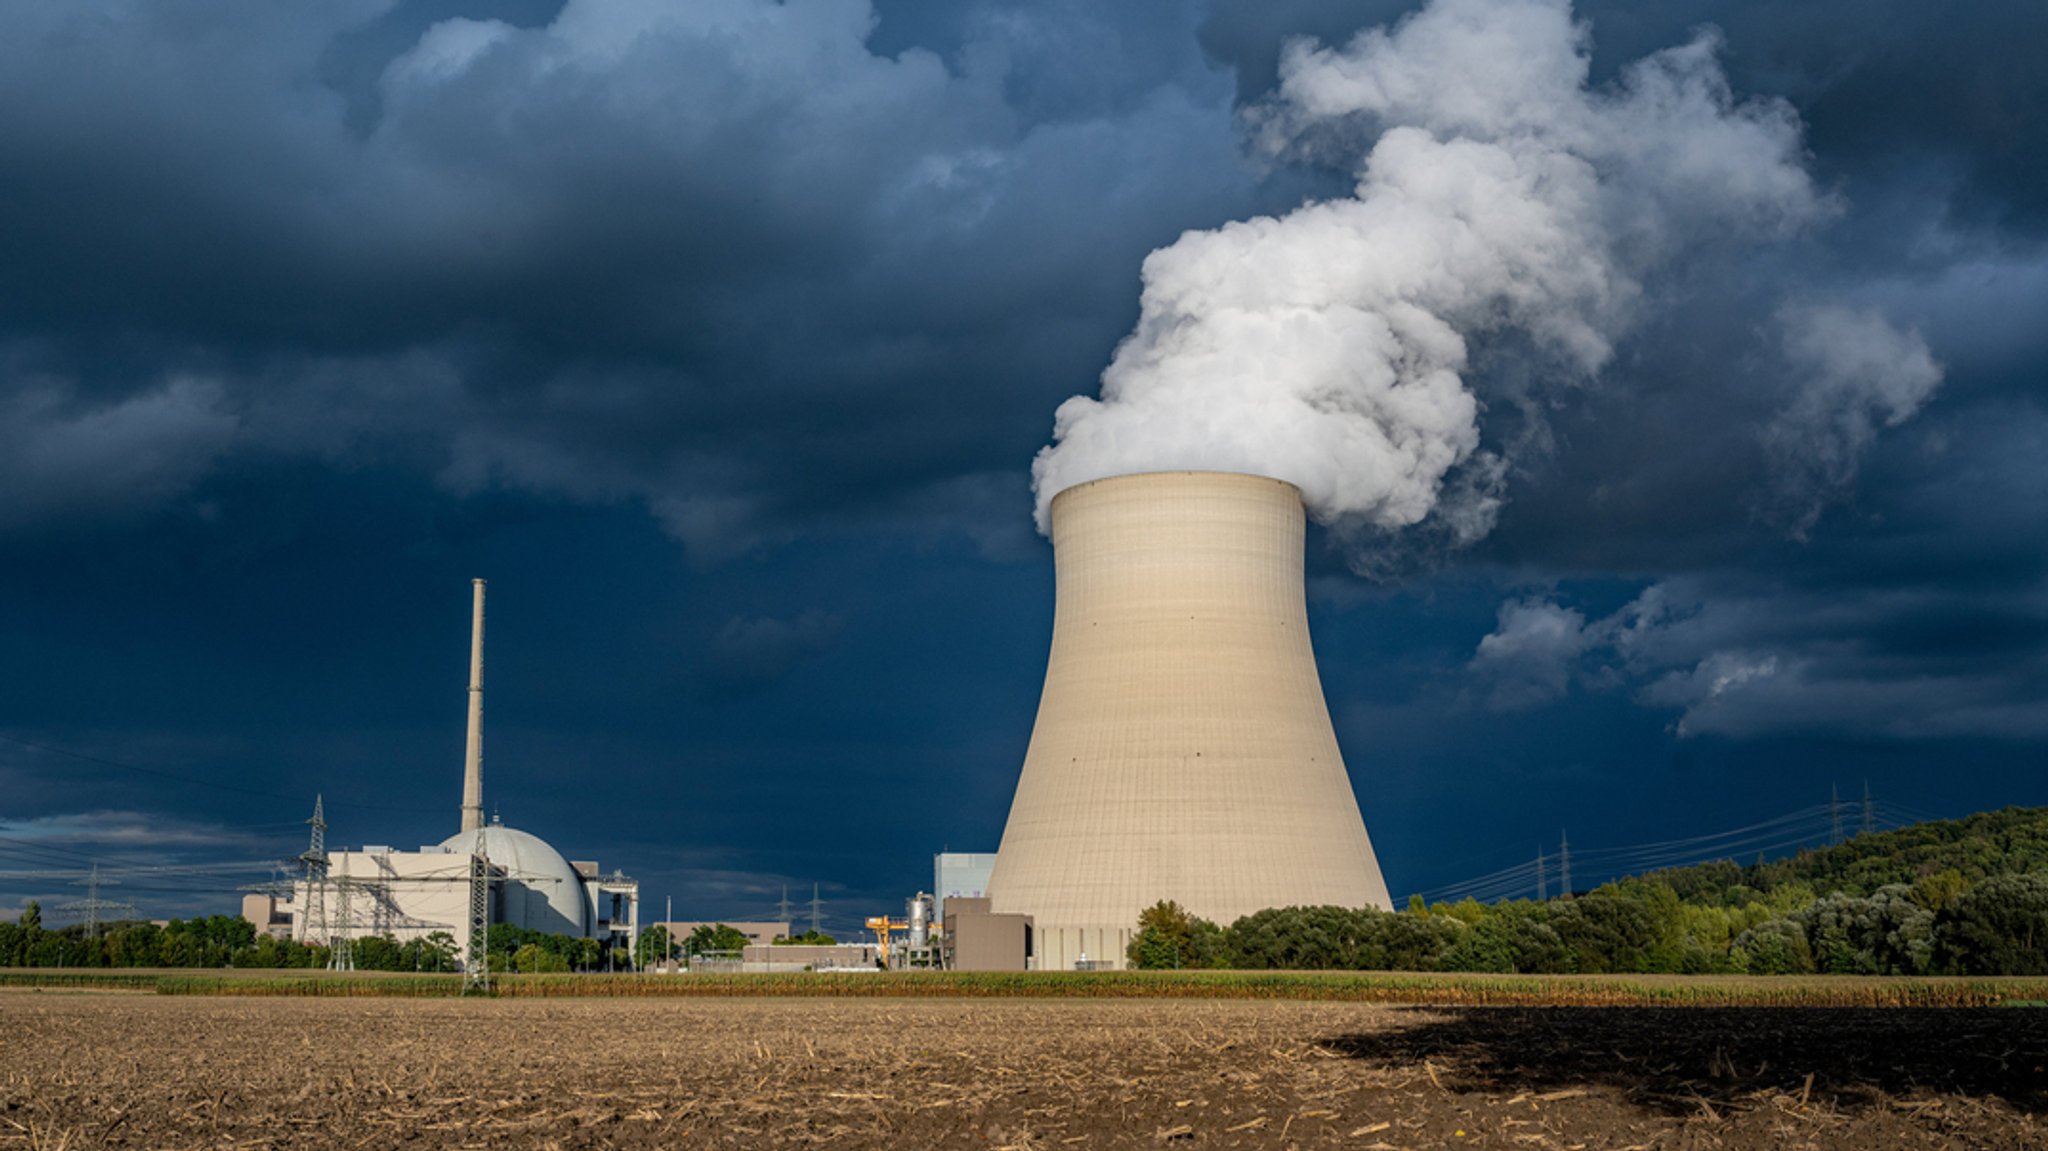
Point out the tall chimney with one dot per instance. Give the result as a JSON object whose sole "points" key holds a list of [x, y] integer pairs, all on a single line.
{"points": [[1182, 750], [473, 753]]}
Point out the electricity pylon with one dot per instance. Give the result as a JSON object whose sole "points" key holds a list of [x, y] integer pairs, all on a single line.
{"points": [[476, 965], [313, 917], [92, 904]]}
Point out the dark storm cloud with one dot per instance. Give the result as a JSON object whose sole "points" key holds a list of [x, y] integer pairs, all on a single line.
{"points": [[308, 311], [1777, 459], [725, 259], [753, 652], [1853, 573], [1931, 622], [1892, 91], [61, 458]]}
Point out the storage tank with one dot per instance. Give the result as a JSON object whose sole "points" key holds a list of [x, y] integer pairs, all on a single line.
{"points": [[920, 920], [1182, 749]]}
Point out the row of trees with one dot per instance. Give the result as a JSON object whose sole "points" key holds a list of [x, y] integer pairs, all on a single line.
{"points": [[1999, 927], [511, 948], [1966, 897], [231, 941], [656, 946], [214, 941]]}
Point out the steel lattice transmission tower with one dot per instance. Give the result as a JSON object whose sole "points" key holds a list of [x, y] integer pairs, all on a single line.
{"points": [[92, 904], [341, 949], [1564, 864], [314, 917], [476, 964]]}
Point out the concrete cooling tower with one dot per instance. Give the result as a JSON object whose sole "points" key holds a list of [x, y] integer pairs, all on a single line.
{"points": [[1182, 749]]}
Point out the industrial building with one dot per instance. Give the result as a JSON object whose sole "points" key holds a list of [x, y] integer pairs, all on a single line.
{"points": [[770, 958], [972, 938], [959, 874], [407, 895], [411, 894], [1182, 748]]}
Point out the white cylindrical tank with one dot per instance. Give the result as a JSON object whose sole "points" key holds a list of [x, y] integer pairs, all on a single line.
{"points": [[920, 920], [1182, 750]]}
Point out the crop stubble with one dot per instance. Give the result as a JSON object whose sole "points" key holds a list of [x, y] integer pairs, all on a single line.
{"points": [[100, 1070]]}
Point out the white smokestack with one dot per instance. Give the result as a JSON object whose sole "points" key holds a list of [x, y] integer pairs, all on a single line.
{"points": [[1500, 194], [473, 753]]}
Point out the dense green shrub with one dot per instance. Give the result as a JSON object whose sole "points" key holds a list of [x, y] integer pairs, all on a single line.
{"points": [[1774, 947], [1169, 938], [1999, 927], [1965, 896]]}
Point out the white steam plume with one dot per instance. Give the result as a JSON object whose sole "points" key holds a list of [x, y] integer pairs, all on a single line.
{"points": [[1502, 195]]}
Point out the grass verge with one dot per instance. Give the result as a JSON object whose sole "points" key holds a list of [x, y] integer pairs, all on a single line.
{"points": [[62, 979], [1342, 986], [1361, 987]]}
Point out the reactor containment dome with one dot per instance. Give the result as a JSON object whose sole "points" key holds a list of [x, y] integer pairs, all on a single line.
{"points": [[1182, 749], [541, 891]]}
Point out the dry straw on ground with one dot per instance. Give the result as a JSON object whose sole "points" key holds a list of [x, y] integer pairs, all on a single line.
{"points": [[125, 1070]]}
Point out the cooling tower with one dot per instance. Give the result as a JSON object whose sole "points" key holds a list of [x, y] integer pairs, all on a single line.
{"points": [[1182, 749]]}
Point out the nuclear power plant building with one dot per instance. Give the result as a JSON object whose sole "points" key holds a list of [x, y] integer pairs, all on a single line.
{"points": [[1182, 749], [410, 895]]}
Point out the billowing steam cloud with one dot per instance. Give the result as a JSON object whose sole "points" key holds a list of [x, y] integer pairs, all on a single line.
{"points": [[1501, 196]]}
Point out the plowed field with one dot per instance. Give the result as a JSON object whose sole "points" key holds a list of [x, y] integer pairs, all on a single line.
{"points": [[109, 1070]]}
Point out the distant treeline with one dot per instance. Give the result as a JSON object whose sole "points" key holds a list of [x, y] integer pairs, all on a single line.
{"points": [[1953, 897], [231, 941]]}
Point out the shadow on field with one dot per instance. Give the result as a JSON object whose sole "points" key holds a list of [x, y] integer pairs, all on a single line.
{"points": [[1670, 1059]]}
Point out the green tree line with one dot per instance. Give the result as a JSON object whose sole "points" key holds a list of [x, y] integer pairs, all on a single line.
{"points": [[1964, 897], [512, 948], [231, 941], [214, 941]]}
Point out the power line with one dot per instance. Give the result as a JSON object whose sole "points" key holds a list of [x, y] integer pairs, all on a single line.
{"points": [[1796, 829], [1791, 817], [151, 872]]}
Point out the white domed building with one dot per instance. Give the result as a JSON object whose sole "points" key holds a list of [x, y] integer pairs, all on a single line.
{"points": [[542, 891]]}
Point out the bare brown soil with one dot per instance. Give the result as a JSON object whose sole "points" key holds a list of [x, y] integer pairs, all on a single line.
{"points": [[107, 1070]]}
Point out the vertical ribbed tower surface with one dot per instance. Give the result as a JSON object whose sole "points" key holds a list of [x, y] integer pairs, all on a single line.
{"points": [[1182, 750]]}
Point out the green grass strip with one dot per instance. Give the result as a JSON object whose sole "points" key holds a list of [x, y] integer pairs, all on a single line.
{"points": [[68, 978], [1357, 987]]}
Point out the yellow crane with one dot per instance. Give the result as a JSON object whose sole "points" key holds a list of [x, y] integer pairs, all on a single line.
{"points": [[882, 925]]}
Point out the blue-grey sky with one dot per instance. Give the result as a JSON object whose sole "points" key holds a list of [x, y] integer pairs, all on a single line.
{"points": [[720, 338]]}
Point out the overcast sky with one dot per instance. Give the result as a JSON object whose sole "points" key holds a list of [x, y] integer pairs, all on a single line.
{"points": [[721, 337]]}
